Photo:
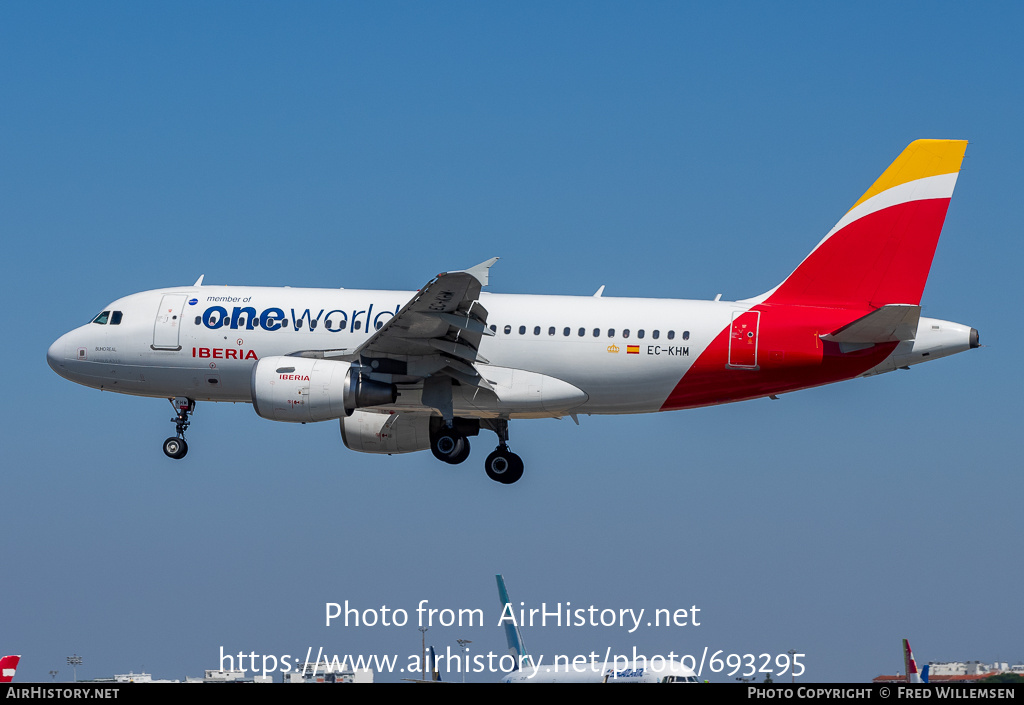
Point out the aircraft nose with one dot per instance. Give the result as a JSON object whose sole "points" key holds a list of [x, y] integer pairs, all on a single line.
{"points": [[55, 355]]}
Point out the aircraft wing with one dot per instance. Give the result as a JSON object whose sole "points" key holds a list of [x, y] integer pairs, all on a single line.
{"points": [[444, 316], [437, 331]]}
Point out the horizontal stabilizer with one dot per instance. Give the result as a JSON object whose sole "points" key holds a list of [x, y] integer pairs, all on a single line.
{"points": [[888, 324]]}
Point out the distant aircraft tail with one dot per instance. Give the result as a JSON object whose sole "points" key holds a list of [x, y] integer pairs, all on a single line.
{"points": [[515, 639], [8, 665], [881, 251], [910, 665], [435, 674]]}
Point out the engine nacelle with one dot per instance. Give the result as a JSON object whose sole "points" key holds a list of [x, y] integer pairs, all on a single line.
{"points": [[300, 389], [376, 432]]}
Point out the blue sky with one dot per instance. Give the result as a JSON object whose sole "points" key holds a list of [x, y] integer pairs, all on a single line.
{"points": [[660, 149]]}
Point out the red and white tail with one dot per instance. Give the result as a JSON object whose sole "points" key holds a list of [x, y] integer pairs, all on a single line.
{"points": [[913, 675], [880, 252], [8, 665]]}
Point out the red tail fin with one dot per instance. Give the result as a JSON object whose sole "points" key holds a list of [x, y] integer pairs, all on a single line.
{"points": [[8, 665], [910, 664], [880, 252]]}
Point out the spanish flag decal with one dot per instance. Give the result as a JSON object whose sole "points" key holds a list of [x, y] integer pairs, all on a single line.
{"points": [[632, 349]]}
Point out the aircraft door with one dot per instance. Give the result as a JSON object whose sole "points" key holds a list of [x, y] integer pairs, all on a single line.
{"points": [[168, 322], [743, 339]]}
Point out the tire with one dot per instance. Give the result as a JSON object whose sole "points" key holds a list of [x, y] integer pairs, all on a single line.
{"points": [[450, 447], [175, 448], [462, 454], [504, 466]]}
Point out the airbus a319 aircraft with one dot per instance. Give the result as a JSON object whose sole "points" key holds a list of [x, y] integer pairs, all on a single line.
{"points": [[410, 371]]}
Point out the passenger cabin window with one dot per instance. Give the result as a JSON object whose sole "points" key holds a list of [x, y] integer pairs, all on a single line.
{"points": [[611, 332], [671, 334], [686, 335], [566, 331], [597, 332], [551, 330], [625, 333], [536, 330], [522, 330], [508, 329], [102, 318], [640, 333]]}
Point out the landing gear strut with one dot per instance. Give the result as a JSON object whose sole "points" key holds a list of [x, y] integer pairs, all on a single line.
{"points": [[503, 465], [175, 447]]}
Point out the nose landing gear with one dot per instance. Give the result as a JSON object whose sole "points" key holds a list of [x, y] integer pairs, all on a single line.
{"points": [[175, 447]]}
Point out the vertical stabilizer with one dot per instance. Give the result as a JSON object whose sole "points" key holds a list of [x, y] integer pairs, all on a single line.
{"points": [[8, 665], [881, 251], [516, 647], [910, 665], [435, 674]]}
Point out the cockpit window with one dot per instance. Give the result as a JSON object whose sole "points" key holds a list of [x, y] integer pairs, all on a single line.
{"points": [[102, 318], [115, 318]]}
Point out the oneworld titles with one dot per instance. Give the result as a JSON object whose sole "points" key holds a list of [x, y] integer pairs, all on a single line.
{"points": [[560, 614]]}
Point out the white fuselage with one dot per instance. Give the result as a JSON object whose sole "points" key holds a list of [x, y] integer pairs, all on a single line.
{"points": [[202, 342], [549, 355]]}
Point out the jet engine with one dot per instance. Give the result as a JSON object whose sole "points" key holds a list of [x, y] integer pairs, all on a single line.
{"points": [[377, 432], [300, 389]]}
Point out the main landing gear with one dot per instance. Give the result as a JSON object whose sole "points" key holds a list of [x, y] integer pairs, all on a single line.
{"points": [[175, 447], [503, 465], [450, 444]]}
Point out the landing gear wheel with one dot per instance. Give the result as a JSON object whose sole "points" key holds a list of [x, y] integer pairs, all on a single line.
{"points": [[450, 447], [461, 455], [504, 466], [175, 448]]}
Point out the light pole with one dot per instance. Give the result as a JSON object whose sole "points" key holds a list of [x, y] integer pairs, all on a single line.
{"points": [[75, 661], [464, 645], [423, 653]]}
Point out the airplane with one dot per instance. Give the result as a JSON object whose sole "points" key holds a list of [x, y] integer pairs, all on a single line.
{"points": [[671, 671], [910, 666], [431, 668], [8, 665], [411, 371]]}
